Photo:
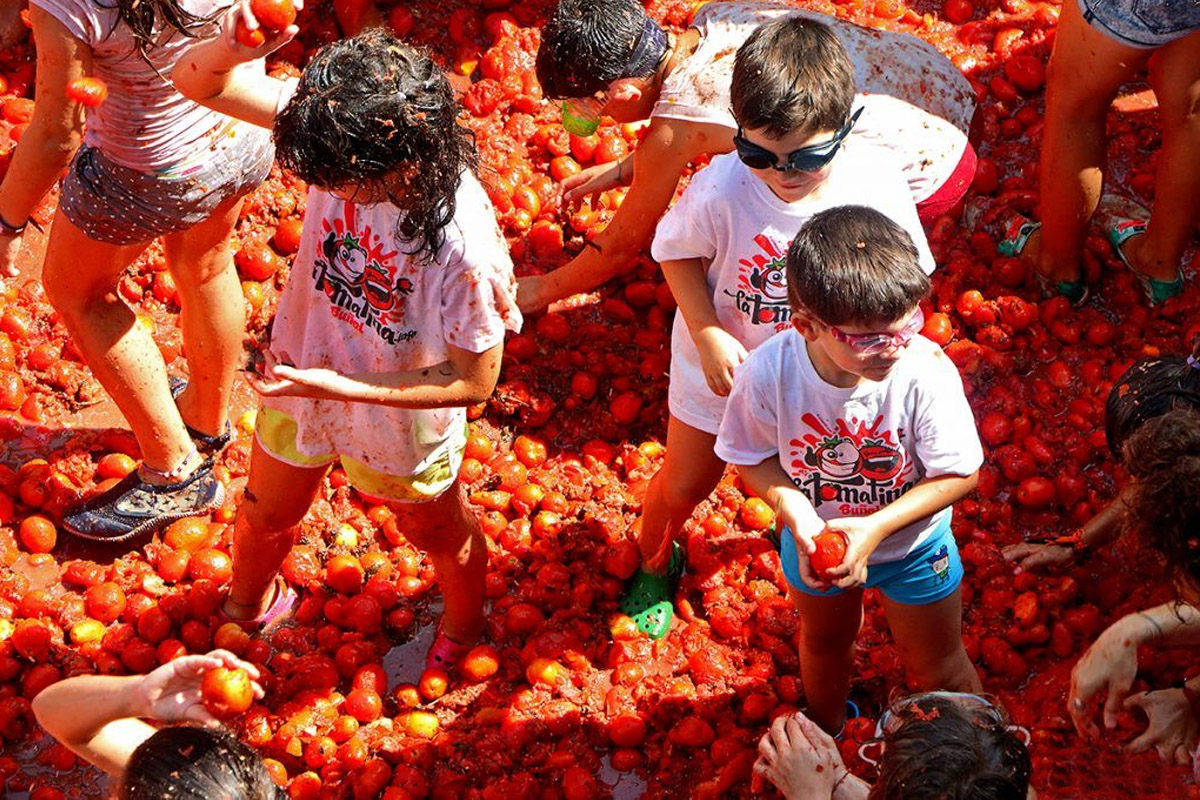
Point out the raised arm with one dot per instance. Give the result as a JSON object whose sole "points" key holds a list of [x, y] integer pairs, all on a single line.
{"points": [[228, 77], [53, 135], [658, 164]]}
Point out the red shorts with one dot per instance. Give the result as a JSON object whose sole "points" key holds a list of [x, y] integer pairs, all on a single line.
{"points": [[952, 189]]}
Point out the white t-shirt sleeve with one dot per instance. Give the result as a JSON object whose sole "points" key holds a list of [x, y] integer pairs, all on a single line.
{"points": [[685, 231], [479, 290], [749, 431], [945, 438]]}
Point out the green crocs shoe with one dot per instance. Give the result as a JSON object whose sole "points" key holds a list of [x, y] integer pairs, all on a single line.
{"points": [[1156, 291], [1013, 242], [650, 600]]}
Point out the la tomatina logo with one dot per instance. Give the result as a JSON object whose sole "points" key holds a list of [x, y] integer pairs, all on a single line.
{"points": [[762, 286], [861, 468]]}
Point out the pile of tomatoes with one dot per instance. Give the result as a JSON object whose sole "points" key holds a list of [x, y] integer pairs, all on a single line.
{"points": [[566, 698]]}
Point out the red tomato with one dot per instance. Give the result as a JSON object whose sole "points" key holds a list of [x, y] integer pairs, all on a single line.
{"points": [[273, 15], [87, 91], [831, 550], [226, 693]]}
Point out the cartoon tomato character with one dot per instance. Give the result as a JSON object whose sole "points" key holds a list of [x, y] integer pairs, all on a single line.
{"points": [[837, 457], [771, 280], [879, 461]]}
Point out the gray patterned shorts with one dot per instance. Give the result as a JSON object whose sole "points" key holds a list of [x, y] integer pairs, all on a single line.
{"points": [[1145, 24], [118, 205]]}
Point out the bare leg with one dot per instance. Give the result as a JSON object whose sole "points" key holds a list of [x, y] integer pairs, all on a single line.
{"points": [[930, 641], [690, 472], [80, 276], [278, 495], [447, 530], [1086, 69], [1175, 75], [213, 318], [828, 628]]}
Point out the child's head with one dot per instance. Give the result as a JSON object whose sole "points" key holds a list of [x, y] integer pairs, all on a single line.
{"points": [[590, 47], [943, 748], [374, 119], [854, 285], [193, 763], [792, 90], [1163, 455]]}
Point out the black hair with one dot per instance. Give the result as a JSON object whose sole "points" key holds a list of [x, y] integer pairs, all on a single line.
{"points": [[791, 75], [588, 44], [1163, 454], [945, 751], [188, 762], [147, 19], [1149, 388], [854, 265], [373, 110]]}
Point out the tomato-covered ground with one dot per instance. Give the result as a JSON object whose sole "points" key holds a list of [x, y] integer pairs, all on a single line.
{"points": [[568, 700]]}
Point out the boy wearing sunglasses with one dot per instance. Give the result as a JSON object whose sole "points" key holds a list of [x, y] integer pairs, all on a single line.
{"points": [[609, 59], [722, 249], [850, 422]]}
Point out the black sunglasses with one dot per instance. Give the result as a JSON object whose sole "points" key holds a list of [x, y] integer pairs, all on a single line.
{"points": [[806, 159]]}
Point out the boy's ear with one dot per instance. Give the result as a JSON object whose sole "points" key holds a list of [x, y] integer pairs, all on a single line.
{"points": [[804, 325]]}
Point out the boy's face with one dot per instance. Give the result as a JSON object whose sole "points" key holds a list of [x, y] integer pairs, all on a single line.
{"points": [[846, 354], [791, 185]]}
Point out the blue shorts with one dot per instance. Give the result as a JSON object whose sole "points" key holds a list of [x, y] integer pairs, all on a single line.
{"points": [[1146, 24], [928, 574]]}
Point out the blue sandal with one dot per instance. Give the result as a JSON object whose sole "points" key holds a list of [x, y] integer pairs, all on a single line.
{"points": [[1012, 244], [1157, 291]]}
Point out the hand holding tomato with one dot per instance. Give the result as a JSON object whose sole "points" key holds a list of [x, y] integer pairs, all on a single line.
{"points": [[1109, 665], [593, 180], [799, 758], [172, 692], [1172, 727], [796, 517], [248, 38], [862, 535]]}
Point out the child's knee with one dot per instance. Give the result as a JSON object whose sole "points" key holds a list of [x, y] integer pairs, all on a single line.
{"points": [[833, 640]]}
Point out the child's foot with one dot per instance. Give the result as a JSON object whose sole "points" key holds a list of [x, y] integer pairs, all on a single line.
{"points": [[445, 653], [1156, 290], [276, 610], [136, 506], [650, 600], [1014, 234], [204, 442]]}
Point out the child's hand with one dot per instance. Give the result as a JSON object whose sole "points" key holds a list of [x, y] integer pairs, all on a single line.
{"points": [[720, 355], [171, 693], [862, 537], [1110, 666], [1173, 728], [1032, 555], [240, 13], [799, 758], [796, 513], [592, 180], [282, 380]]}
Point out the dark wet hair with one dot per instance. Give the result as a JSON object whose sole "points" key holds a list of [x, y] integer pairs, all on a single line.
{"points": [[187, 762], [792, 75], [588, 44], [1163, 454], [852, 264], [147, 19], [372, 108], [944, 751], [1149, 388]]}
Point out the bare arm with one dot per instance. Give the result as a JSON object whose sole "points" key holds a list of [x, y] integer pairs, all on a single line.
{"points": [[228, 77], [465, 378], [659, 163], [54, 133]]}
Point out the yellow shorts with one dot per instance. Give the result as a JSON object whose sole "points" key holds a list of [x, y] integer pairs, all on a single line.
{"points": [[276, 433]]}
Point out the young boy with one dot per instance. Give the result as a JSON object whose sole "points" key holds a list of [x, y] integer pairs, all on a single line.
{"points": [[607, 57], [722, 249], [852, 422]]}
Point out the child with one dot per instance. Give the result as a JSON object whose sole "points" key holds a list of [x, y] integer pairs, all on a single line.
{"points": [[393, 317], [100, 718], [722, 251], [152, 163], [852, 422], [607, 57], [1152, 387], [934, 746]]}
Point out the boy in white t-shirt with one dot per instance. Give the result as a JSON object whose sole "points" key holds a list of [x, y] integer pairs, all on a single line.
{"points": [[850, 421], [722, 251]]}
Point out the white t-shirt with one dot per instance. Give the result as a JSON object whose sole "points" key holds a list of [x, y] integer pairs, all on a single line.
{"points": [[740, 229], [916, 103], [355, 302], [145, 124], [853, 450]]}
